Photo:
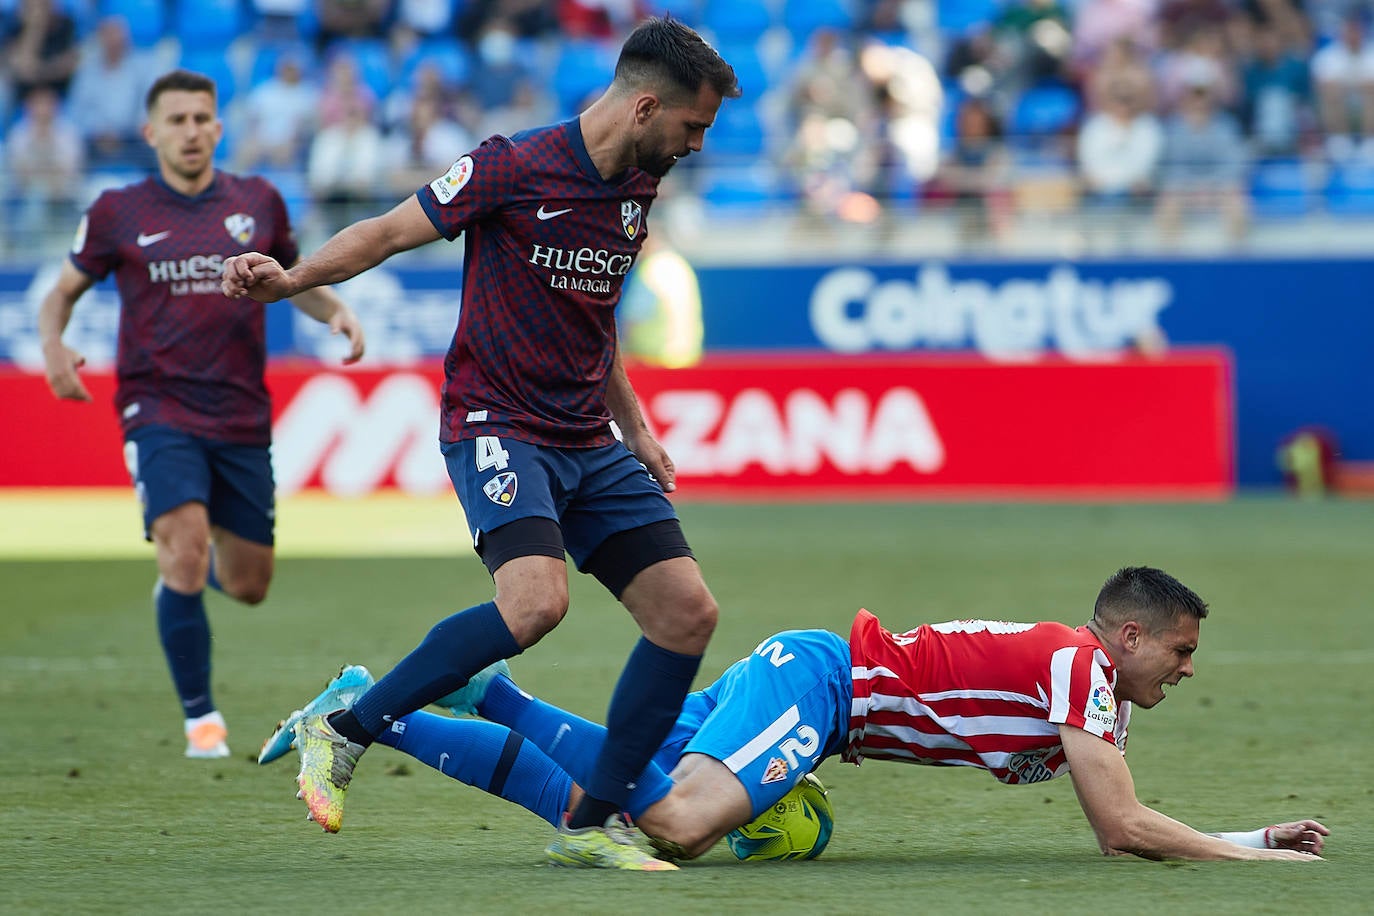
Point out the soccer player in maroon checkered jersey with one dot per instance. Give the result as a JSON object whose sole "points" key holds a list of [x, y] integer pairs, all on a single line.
{"points": [[553, 219], [190, 393]]}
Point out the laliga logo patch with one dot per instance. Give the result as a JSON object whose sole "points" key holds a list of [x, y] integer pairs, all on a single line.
{"points": [[240, 227], [447, 185], [631, 215], [501, 488], [775, 772], [1102, 698]]}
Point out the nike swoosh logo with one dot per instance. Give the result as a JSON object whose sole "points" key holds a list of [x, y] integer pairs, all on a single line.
{"points": [[550, 214], [145, 240], [443, 758]]}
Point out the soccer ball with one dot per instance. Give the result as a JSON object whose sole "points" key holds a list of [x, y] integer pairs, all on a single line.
{"points": [[797, 827]]}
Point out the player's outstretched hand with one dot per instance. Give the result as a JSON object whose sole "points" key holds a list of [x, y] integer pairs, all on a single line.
{"points": [[254, 275], [1301, 836], [346, 323], [61, 366]]}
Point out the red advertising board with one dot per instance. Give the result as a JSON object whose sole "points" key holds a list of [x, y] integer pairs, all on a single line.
{"points": [[745, 427]]}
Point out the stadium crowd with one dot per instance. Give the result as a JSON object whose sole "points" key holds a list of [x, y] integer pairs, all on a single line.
{"points": [[1140, 113]]}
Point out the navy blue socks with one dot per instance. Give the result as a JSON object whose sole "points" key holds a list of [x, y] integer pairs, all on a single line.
{"points": [[456, 648], [184, 630], [647, 700]]}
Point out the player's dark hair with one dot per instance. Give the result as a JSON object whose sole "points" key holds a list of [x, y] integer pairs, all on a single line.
{"points": [[1147, 595], [178, 81], [672, 58]]}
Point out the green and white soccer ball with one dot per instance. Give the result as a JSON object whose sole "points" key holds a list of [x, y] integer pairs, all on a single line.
{"points": [[797, 827]]}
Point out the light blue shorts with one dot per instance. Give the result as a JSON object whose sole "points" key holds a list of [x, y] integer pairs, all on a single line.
{"points": [[771, 717]]}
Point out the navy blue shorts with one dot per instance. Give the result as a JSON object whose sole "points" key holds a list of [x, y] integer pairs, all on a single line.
{"points": [[771, 717], [234, 482], [592, 493]]}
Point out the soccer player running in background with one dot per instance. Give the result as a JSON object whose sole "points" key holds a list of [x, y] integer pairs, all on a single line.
{"points": [[554, 217], [1025, 701], [190, 394]]}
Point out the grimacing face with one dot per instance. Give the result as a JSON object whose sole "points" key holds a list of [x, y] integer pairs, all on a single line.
{"points": [[184, 129], [1157, 659]]}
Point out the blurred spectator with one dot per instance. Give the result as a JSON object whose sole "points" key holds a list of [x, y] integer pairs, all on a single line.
{"points": [[45, 161], [427, 83], [341, 19], [1344, 76], [527, 18], [1038, 34], [419, 152], [40, 49], [344, 94], [1277, 97], [906, 134], [1120, 147], [106, 98], [279, 20], [528, 105], [498, 69], [1180, 20], [1205, 163], [425, 17], [1123, 68], [1202, 56], [975, 172], [1099, 23], [595, 18], [346, 157], [279, 116]]}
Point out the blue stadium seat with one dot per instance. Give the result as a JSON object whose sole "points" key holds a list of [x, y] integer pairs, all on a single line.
{"points": [[1043, 112], [446, 54], [743, 192], [583, 67], [267, 53], [1281, 188], [373, 60], [213, 64], [688, 11], [749, 69], [737, 132], [958, 17], [1350, 190], [802, 17], [147, 19], [209, 24], [736, 19]]}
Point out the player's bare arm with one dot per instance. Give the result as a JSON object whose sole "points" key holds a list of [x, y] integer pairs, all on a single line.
{"points": [[325, 306], [352, 250], [1124, 826], [624, 407], [60, 361]]}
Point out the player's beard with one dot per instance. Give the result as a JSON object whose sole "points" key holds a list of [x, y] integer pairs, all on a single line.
{"points": [[656, 164]]}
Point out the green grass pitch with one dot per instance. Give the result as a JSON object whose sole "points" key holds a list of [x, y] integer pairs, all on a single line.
{"points": [[99, 812]]}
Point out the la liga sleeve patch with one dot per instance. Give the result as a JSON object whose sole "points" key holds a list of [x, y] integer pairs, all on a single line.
{"points": [[447, 185]]}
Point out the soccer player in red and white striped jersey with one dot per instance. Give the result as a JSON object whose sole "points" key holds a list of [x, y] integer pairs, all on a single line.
{"points": [[1025, 701]]}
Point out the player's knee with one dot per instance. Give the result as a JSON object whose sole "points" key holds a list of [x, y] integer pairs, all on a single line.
{"points": [[686, 623], [246, 591], [533, 616]]}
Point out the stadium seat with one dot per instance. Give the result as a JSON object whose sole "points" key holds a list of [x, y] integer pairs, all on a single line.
{"points": [[688, 11], [734, 191], [958, 17], [583, 67], [215, 65], [446, 54], [209, 24], [802, 17], [738, 132], [1041, 116], [267, 53], [147, 19], [1281, 188], [749, 68], [736, 20], [373, 60], [1350, 190]]}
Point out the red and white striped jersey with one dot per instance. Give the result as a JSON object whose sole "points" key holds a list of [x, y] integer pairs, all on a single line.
{"points": [[980, 693]]}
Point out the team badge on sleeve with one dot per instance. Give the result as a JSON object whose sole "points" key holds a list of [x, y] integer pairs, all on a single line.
{"points": [[631, 217], [501, 488], [447, 185], [240, 227]]}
